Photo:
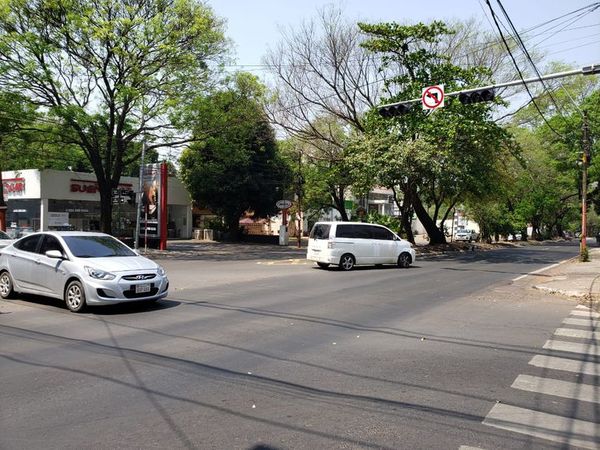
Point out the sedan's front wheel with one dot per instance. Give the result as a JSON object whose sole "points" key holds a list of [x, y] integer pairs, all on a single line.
{"points": [[75, 296], [6, 285]]}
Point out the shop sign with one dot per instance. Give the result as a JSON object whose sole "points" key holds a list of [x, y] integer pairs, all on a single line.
{"points": [[58, 219], [91, 187], [13, 187]]}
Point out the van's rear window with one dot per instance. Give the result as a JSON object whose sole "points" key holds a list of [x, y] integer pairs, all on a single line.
{"points": [[320, 231]]}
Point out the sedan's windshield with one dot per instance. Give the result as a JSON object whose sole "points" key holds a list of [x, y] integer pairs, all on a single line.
{"points": [[96, 247]]}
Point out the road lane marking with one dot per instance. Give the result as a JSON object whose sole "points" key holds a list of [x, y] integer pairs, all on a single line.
{"points": [[566, 365], [579, 334], [543, 269], [579, 313], [582, 322], [572, 347], [565, 389], [543, 425]]}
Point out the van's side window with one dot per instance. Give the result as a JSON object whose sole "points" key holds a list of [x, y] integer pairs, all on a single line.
{"points": [[320, 231], [353, 231], [381, 234]]}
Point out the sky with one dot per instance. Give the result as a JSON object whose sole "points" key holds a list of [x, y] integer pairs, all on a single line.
{"points": [[255, 25]]}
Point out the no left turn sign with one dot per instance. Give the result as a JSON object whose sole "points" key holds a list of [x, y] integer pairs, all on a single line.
{"points": [[433, 97]]}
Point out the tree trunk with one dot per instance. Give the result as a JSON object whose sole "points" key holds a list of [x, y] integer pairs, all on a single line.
{"points": [[407, 226], [435, 235], [105, 191], [338, 201]]}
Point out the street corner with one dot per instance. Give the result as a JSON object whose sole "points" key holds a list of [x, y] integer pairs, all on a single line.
{"points": [[573, 278]]}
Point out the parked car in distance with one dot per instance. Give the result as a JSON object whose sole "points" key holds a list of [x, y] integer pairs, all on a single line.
{"points": [[466, 235], [347, 244], [82, 268], [5, 240]]}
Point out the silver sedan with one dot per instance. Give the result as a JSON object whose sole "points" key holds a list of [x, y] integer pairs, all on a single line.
{"points": [[81, 268]]}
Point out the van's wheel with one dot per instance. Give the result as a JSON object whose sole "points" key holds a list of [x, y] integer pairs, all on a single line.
{"points": [[347, 262], [75, 296], [6, 285], [323, 265], [404, 260]]}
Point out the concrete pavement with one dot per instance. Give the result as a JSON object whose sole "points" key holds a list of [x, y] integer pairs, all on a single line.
{"points": [[576, 279], [570, 278]]}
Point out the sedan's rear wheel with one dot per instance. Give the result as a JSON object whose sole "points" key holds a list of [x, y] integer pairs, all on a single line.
{"points": [[347, 262], [404, 260], [6, 285], [75, 296]]}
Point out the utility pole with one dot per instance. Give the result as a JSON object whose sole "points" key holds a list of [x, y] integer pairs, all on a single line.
{"points": [[299, 189], [140, 195], [583, 255]]}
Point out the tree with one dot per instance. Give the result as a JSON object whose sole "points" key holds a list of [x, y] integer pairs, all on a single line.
{"points": [[434, 159], [324, 82], [108, 73], [546, 194], [239, 168]]}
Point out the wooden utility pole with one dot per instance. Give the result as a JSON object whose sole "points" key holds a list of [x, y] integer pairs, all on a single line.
{"points": [[585, 162]]}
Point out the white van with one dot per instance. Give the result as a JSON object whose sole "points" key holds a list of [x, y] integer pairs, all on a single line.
{"points": [[347, 244]]}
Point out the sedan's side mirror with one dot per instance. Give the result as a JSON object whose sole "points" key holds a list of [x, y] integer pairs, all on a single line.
{"points": [[56, 254]]}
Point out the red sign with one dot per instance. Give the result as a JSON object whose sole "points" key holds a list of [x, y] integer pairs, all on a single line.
{"points": [[91, 187], [433, 97], [13, 185]]}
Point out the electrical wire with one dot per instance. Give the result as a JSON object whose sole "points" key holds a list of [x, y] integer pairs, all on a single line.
{"points": [[519, 70], [528, 56]]}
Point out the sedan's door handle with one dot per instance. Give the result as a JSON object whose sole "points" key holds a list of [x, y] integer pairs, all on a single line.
{"points": [[37, 261]]}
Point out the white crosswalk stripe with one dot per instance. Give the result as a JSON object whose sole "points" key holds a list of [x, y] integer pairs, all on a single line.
{"points": [[566, 365], [582, 322], [588, 313], [573, 347], [580, 334], [556, 428], [566, 389], [546, 426]]}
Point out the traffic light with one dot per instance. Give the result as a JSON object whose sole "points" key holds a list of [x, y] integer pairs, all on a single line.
{"points": [[483, 95], [393, 110]]}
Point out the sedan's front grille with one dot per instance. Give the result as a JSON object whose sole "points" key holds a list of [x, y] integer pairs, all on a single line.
{"points": [[139, 277]]}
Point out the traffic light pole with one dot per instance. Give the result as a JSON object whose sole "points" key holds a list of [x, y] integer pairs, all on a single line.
{"points": [[583, 256], [588, 70], [136, 239]]}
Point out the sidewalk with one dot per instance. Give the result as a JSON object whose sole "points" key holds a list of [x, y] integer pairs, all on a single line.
{"points": [[576, 279]]}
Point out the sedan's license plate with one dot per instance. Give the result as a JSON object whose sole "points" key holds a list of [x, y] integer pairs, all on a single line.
{"points": [[141, 288]]}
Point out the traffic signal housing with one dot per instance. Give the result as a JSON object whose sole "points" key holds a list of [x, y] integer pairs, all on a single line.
{"points": [[482, 95], [394, 110]]}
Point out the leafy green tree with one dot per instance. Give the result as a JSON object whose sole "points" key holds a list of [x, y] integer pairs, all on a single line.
{"points": [[546, 193], [109, 72], [239, 168], [434, 159]]}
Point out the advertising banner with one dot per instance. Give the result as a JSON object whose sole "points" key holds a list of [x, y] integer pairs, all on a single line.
{"points": [[151, 200]]}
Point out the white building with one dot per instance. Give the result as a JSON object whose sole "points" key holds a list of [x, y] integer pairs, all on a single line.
{"points": [[52, 199]]}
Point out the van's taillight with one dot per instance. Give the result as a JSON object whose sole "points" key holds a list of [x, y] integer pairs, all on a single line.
{"points": [[329, 244]]}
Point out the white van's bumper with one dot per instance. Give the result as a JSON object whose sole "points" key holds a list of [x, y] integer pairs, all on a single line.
{"points": [[321, 256]]}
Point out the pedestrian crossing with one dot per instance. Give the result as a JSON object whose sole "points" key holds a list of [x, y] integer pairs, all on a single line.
{"points": [[575, 351]]}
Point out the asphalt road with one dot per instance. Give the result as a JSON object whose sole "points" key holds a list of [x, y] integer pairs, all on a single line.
{"points": [[280, 353]]}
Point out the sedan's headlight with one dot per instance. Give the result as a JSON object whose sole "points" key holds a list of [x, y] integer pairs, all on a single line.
{"points": [[162, 272], [99, 274]]}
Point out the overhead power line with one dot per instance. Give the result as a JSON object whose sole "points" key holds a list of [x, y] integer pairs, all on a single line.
{"points": [[519, 70]]}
